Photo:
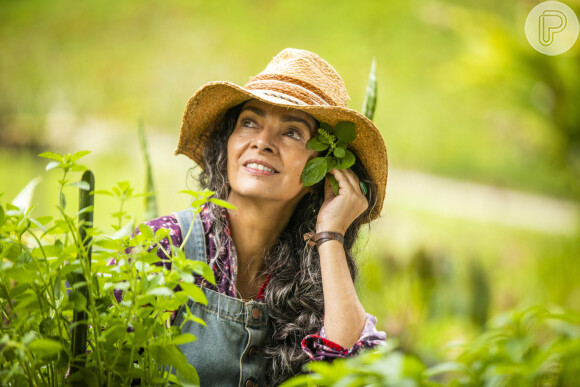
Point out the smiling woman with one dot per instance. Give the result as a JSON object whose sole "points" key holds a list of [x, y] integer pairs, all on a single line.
{"points": [[278, 301]]}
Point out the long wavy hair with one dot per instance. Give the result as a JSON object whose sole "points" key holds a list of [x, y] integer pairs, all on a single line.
{"points": [[294, 293]]}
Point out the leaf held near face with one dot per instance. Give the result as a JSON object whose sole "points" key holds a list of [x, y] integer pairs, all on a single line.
{"points": [[314, 171]]}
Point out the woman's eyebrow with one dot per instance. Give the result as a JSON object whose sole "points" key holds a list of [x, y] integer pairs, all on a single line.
{"points": [[291, 118]]}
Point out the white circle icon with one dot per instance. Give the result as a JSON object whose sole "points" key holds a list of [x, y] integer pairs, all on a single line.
{"points": [[552, 27]]}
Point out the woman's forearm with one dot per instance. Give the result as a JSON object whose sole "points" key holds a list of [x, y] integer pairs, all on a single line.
{"points": [[344, 316]]}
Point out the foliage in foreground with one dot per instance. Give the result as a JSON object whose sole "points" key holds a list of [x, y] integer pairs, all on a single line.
{"points": [[533, 347], [43, 266]]}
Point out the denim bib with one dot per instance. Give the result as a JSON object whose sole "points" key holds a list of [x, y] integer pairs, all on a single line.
{"points": [[229, 350]]}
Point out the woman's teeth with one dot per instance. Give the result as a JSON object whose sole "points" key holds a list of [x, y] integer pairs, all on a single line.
{"points": [[260, 167]]}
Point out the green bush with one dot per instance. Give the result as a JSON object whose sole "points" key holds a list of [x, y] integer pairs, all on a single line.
{"points": [[53, 291], [533, 347]]}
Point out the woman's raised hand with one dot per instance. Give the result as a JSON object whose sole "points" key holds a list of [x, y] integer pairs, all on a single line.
{"points": [[339, 211]]}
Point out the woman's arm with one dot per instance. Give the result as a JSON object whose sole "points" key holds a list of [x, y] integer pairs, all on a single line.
{"points": [[344, 316]]}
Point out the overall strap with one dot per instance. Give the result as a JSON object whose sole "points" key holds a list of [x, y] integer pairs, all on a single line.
{"points": [[195, 248]]}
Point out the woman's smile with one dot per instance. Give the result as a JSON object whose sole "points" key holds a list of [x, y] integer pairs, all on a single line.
{"points": [[257, 167]]}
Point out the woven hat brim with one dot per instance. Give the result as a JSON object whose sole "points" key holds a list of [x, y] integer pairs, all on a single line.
{"points": [[213, 100]]}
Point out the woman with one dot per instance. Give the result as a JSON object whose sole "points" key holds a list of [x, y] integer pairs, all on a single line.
{"points": [[278, 301]]}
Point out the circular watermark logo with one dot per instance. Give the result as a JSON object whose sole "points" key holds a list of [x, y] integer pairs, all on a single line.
{"points": [[552, 27]]}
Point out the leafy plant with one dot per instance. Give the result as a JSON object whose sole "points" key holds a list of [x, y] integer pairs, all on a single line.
{"points": [[522, 348], [47, 275], [334, 141]]}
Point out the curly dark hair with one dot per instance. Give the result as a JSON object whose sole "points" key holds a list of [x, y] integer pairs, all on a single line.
{"points": [[294, 293]]}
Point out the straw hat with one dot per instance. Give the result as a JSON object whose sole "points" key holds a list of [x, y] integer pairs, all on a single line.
{"points": [[294, 79]]}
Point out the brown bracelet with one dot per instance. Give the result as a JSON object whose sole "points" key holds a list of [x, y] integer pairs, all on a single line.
{"points": [[321, 237]]}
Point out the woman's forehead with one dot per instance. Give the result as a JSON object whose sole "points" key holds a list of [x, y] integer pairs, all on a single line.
{"points": [[263, 108]]}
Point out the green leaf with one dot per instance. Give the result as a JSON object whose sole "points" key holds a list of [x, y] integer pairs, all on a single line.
{"points": [[79, 154], [146, 231], [52, 165], [51, 155], [78, 300], [347, 161], [160, 291], [81, 185], [183, 339], [62, 201], [45, 347], [333, 183], [172, 356], [316, 144], [195, 293], [330, 163], [223, 203], [345, 131], [339, 152], [314, 171], [102, 192]]}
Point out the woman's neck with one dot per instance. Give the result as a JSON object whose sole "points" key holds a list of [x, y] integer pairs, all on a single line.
{"points": [[255, 227]]}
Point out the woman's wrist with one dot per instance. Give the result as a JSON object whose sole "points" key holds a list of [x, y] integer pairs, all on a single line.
{"points": [[325, 236]]}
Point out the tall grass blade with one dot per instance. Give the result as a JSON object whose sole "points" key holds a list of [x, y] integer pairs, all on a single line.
{"points": [[370, 101], [151, 211]]}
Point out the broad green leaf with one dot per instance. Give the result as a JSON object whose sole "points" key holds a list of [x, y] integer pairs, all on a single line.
{"points": [[330, 163], [203, 269], [79, 154], [51, 155], [160, 291], [102, 192], [110, 244], [45, 347], [146, 231], [183, 339], [345, 131], [78, 300], [193, 292], [52, 165], [314, 171], [81, 185], [347, 161], [339, 152], [172, 356], [223, 203], [316, 144]]}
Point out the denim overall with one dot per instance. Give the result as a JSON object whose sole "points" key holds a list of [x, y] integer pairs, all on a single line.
{"points": [[229, 350]]}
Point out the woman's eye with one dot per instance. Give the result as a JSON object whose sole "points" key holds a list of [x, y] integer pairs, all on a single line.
{"points": [[247, 123], [294, 134]]}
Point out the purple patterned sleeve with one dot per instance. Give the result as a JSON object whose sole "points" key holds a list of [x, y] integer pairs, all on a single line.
{"points": [[318, 347]]}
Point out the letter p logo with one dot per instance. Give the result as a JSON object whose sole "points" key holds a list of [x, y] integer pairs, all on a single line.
{"points": [[552, 27], [551, 22]]}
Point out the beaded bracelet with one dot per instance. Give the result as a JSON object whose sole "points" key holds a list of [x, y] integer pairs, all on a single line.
{"points": [[321, 237]]}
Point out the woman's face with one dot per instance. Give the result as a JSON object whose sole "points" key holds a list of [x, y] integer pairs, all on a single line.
{"points": [[267, 152]]}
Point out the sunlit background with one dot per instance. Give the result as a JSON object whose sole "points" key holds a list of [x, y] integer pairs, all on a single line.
{"points": [[482, 132]]}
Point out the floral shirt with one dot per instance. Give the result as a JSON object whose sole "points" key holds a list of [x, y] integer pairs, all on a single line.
{"points": [[224, 266]]}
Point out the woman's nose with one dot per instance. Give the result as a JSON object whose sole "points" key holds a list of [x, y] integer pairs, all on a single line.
{"points": [[265, 141]]}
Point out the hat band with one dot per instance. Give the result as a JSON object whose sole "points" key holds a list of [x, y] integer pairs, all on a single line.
{"points": [[300, 95]]}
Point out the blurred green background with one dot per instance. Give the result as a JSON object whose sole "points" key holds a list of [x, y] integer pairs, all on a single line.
{"points": [[482, 132]]}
